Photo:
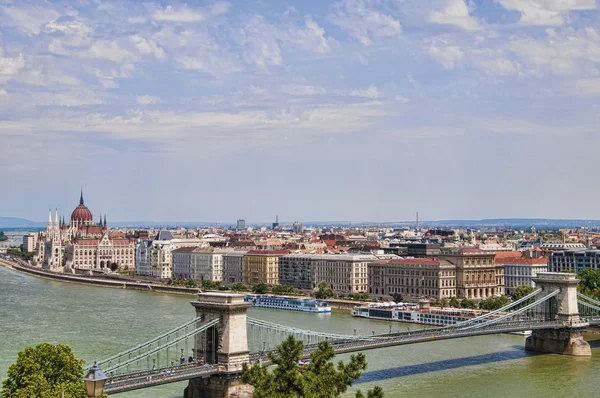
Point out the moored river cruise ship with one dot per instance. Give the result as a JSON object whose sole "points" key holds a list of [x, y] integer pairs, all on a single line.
{"points": [[413, 314], [287, 303]]}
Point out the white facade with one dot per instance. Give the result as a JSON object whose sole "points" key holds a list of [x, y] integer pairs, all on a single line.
{"points": [[29, 243], [519, 272], [206, 265]]}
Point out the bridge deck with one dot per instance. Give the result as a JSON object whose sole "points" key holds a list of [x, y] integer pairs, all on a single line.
{"points": [[179, 373]]}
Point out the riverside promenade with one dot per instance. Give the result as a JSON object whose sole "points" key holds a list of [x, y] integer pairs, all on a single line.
{"points": [[98, 281]]}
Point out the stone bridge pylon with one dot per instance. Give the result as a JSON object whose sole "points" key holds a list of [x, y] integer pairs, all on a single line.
{"points": [[567, 340], [225, 344]]}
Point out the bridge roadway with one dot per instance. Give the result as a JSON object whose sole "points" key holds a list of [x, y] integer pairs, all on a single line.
{"points": [[138, 380]]}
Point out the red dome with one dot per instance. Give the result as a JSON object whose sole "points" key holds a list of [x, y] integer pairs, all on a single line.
{"points": [[81, 214]]}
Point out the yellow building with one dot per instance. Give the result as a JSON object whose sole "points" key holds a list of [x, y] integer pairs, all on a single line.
{"points": [[477, 274], [262, 266]]}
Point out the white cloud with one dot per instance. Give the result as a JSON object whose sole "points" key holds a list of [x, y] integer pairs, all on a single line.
{"points": [[456, 13], [587, 87], [180, 14], [302, 89], [110, 50], [29, 19], [363, 22], [10, 66], [370, 92], [261, 45], [136, 20], [565, 52], [446, 54], [311, 38], [147, 47], [546, 12], [68, 99], [148, 100]]}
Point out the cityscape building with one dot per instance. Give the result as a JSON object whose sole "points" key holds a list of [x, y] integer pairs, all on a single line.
{"points": [[262, 266], [414, 278], [574, 260], [521, 271], [240, 225], [233, 266], [477, 274]]}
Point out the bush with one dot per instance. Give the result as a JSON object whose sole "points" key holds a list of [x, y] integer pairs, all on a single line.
{"points": [[261, 288], [239, 287]]}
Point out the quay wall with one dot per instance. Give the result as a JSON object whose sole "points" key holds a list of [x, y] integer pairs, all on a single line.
{"points": [[339, 304]]}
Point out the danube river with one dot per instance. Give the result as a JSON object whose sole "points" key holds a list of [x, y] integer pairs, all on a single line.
{"points": [[98, 322]]}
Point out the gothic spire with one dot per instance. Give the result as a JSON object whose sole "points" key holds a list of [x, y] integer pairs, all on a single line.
{"points": [[49, 218], [81, 197], [105, 221]]}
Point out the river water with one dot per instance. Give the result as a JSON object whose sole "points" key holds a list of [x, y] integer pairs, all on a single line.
{"points": [[98, 322]]}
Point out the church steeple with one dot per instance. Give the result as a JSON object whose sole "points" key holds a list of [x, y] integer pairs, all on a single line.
{"points": [[81, 197], [105, 221], [49, 227]]}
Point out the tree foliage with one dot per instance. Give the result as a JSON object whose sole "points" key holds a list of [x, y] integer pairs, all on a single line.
{"points": [[454, 302], [261, 288], [282, 289], [358, 296], [522, 291], [318, 379], [210, 285], [238, 287], [45, 371], [493, 303], [590, 282], [468, 303], [397, 297], [324, 291]]}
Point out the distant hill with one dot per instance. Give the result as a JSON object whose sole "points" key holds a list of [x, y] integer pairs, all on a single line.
{"points": [[14, 222]]}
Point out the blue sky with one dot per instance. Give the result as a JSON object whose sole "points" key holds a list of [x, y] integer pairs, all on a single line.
{"points": [[312, 110]]}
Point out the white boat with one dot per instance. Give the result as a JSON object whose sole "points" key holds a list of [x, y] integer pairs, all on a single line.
{"points": [[522, 333], [411, 314], [287, 303]]}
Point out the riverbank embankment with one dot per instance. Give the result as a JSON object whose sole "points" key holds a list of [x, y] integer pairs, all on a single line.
{"points": [[338, 304], [98, 281]]}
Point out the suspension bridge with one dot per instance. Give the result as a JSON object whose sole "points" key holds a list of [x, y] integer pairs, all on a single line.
{"points": [[211, 349]]}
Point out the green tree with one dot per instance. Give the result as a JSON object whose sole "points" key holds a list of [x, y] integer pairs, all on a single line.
{"points": [[454, 302], [45, 371], [209, 285], [282, 289], [468, 303], [493, 303], [590, 282], [522, 291], [238, 287], [191, 283], [397, 297], [318, 379], [444, 302], [261, 288], [3, 237], [358, 296], [324, 291]]}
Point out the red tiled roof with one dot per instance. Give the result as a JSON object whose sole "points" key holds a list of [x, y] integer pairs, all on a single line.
{"points": [[120, 242], [500, 254]]}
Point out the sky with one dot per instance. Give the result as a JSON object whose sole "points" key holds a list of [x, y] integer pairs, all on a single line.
{"points": [[359, 110]]}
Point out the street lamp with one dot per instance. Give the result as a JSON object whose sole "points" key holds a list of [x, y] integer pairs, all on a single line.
{"points": [[94, 381]]}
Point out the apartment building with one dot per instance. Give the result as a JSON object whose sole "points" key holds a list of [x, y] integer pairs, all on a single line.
{"points": [[574, 260], [233, 266], [414, 277], [262, 266], [477, 274], [343, 272], [297, 270], [521, 271]]}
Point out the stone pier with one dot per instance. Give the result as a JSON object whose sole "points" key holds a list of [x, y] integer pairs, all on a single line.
{"points": [[567, 340], [225, 344]]}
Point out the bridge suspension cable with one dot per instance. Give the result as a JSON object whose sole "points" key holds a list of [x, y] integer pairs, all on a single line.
{"points": [[486, 316], [149, 342]]}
